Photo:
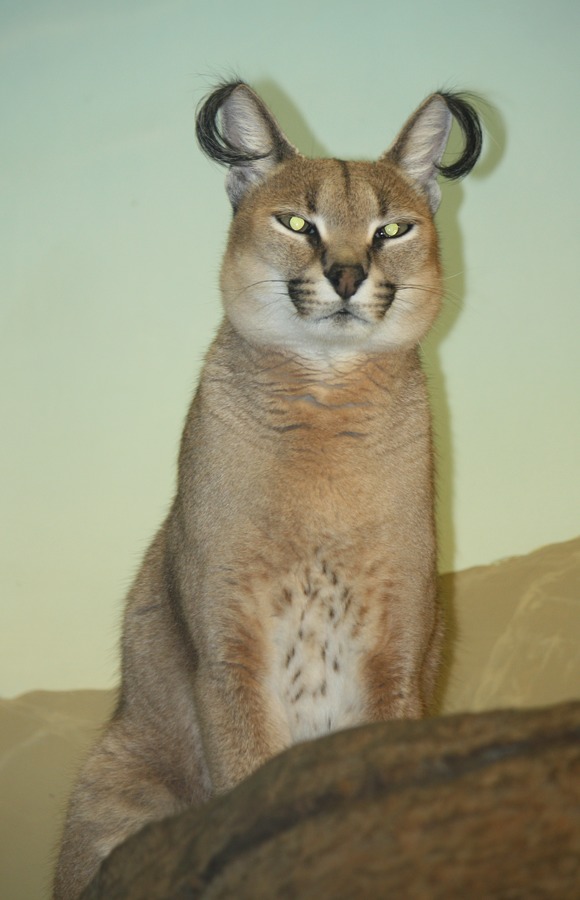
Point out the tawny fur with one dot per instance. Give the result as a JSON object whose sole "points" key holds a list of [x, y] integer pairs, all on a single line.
{"points": [[291, 589]]}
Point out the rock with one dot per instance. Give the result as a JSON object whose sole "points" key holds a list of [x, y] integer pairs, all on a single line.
{"points": [[463, 806]]}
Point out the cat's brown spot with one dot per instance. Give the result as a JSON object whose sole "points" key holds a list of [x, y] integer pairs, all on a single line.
{"points": [[282, 429], [311, 194], [346, 598], [361, 614], [345, 174]]}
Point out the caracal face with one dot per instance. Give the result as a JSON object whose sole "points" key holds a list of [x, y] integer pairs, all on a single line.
{"points": [[332, 258]]}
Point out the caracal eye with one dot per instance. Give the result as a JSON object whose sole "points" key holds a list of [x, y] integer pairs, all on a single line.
{"points": [[297, 224], [392, 230]]}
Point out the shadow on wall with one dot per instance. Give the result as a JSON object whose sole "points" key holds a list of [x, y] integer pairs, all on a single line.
{"points": [[457, 292]]}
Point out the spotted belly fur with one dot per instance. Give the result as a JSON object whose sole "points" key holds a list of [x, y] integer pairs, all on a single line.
{"points": [[318, 643]]}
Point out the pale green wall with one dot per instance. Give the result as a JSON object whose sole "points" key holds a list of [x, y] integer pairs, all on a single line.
{"points": [[111, 232]]}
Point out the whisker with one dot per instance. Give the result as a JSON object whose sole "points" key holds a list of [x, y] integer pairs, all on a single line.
{"points": [[447, 294], [455, 275], [248, 287], [418, 287]]}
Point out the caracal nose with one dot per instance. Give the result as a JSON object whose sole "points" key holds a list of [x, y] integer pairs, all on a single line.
{"points": [[345, 279]]}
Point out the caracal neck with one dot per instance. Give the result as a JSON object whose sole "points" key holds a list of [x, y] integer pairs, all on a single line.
{"points": [[290, 391]]}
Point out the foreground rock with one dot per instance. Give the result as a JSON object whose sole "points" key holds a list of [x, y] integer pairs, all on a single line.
{"points": [[463, 806]]}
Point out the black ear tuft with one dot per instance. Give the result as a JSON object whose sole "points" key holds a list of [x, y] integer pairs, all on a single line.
{"points": [[209, 132], [235, 128], [468, 120]]}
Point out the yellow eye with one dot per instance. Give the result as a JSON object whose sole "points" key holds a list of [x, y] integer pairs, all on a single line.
{"points": [[393, 230], [297, 224]]}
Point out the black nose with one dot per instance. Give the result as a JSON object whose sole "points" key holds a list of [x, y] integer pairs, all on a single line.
{"points": [[345, 279]]}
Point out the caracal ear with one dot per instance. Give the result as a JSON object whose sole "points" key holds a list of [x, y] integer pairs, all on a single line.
{"points": [[419, 148], [235, 128]]}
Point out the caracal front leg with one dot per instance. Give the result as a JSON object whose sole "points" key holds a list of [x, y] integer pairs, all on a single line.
{"points": [[399, 673], [242, 720]]}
